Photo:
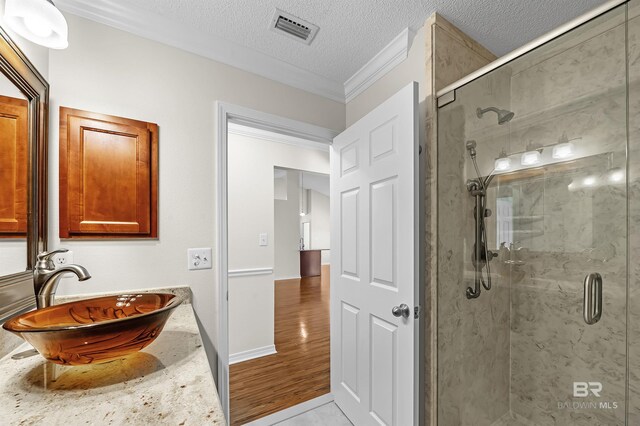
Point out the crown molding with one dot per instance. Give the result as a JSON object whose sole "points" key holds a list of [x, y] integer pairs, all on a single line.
{"points": [[255, 133], [161, 29], [384, 61]]}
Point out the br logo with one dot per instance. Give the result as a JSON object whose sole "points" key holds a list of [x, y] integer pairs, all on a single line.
{"points": [[583, 389]]}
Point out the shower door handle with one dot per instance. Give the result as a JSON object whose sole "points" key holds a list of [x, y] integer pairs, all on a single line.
{"points": [[592, 308]]}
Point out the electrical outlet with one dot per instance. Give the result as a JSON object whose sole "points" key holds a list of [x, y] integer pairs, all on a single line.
{"points": [[61, 259], [263, 239], [199, 258]]}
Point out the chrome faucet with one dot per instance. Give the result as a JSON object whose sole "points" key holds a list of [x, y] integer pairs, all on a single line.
{"points": [[46, 277]]}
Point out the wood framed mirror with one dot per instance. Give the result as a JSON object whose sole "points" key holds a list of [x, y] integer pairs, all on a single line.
{"points": [[24, 109]]}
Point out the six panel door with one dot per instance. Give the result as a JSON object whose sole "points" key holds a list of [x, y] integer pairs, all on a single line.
{"points": [[374, 229]]}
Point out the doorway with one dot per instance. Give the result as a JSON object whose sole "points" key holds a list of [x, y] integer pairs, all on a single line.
{"points": [[298, 134], [278, 276], [375, 217]]}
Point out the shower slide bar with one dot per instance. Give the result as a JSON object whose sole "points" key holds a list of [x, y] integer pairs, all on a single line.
{"points": [[594, 13]]}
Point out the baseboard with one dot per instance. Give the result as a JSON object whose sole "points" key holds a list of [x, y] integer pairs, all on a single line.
{"points": [[296, 410], [252, 354], [295, 277]]}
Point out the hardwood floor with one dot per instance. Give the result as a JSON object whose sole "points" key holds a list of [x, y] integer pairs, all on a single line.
{"points": [[300, 370]]}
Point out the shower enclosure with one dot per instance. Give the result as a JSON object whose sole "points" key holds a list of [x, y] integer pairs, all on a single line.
{"points": [[555, 338]]}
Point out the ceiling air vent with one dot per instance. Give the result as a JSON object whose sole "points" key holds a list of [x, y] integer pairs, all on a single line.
{"points": [[293, 27]]}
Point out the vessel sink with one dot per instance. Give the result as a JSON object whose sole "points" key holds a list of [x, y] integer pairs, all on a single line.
{"points": [[93, 331]]}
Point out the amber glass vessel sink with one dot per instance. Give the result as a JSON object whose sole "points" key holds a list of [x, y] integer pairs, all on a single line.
{"points": [[95, 330]]}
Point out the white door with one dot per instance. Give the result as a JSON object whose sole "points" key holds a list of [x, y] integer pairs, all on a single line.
{"points": [[374, 229]]}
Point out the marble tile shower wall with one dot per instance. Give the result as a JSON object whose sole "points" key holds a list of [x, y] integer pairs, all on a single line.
{"points": [[513, 354], [633, 336], [579, 90], [473, 336]]}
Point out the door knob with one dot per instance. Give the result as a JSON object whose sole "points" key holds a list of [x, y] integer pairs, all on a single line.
{"points": [[401, 311]]}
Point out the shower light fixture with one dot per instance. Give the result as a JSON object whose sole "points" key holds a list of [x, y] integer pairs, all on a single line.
{"points": [[562, 151], [530, 158], [38, 21], [502, 163]]}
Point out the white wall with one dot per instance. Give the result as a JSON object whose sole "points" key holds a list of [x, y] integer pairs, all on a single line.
{"points": [[113, 72], [251, 212], [411, 69], [320, 224], [287, 231]]}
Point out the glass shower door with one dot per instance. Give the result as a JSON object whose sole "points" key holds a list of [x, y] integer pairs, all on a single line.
{"points": [[532, 237]]}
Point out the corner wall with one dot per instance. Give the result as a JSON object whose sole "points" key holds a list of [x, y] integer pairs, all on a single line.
{"points": [[286, 236]]}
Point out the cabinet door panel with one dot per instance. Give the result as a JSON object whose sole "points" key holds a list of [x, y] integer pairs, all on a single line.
{"points": [[13, 167], [111, 176]]}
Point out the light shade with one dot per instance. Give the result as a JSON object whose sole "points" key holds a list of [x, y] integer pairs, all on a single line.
{"points": [[502, 164], [38, 21], [562, 150], [530, 158]]}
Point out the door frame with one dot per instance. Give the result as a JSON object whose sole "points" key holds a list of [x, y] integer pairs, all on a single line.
{"points": [[225, 113]]}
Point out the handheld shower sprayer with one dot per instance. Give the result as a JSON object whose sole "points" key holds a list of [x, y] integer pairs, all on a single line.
{"points": [[471, 147], [481, 255]]}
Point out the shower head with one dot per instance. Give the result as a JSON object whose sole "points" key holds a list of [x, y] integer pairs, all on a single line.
{"points": [[471, 147], [504, 116]]}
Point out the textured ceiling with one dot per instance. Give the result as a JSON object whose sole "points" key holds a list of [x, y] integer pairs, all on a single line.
{"points": [[353, 31]]}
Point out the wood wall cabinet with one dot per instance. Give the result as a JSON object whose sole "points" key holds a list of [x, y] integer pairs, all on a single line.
{"points": [[108, 176], [14, 118]]}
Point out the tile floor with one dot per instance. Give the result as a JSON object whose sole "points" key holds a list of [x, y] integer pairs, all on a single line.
{"points": [[325, 415]]}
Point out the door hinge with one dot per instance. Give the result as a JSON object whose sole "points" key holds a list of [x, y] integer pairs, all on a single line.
{"points": [[416, 312]]}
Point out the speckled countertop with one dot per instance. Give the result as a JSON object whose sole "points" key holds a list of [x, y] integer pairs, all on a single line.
{"points": [[169, 382]]}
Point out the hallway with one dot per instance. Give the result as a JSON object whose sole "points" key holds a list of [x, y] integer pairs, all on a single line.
{"points": [[300, 370]]}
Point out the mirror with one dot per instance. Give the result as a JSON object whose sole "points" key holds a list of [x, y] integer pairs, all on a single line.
{"points": [[24, 99], [14, 148]]}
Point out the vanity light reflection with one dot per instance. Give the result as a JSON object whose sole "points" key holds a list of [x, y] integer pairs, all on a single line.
{"points": [[533, 155], [616, 175], [530, 158], [503, 162], [562, 151]]}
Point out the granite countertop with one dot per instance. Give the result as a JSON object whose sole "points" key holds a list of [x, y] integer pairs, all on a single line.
{"points": [[168, 382]]}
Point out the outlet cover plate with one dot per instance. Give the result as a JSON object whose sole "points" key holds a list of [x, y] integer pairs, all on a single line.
{"points": [[61, 259], [199, 258]]}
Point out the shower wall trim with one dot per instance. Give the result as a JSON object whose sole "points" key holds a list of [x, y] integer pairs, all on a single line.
{"points": [[604, 8]]}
